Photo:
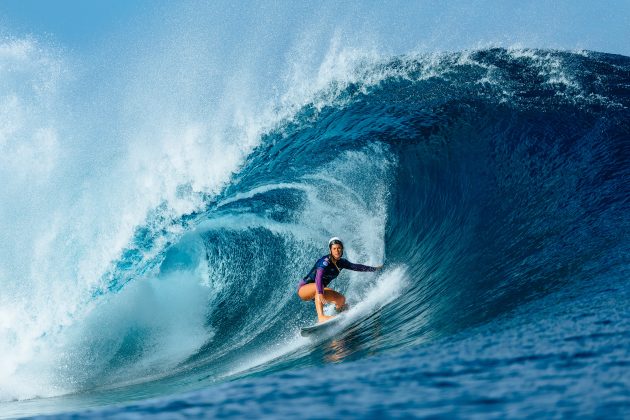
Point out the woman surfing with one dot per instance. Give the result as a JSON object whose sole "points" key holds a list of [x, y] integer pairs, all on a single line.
{"points": [[325, 270]]}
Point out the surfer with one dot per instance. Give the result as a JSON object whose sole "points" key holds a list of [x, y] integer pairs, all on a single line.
{"points": [[325, 270]]}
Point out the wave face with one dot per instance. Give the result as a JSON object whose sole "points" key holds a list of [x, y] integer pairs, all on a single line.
{"points": [[484, 180]]}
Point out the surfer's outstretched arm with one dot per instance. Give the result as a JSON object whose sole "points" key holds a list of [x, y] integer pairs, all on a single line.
{"points": [[343, 263]]}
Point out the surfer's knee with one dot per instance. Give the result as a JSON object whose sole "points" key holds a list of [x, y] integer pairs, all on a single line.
{"points": [[334, 296], [340, 299]]}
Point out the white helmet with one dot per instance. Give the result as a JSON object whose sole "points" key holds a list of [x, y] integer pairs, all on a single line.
{"points": [[334, 240]]}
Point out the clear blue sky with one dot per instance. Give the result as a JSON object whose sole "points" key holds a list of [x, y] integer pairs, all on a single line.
{"points": [[72, 22], [570, 24]]}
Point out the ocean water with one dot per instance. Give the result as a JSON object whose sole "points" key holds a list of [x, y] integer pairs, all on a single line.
{"points": [[150, 267]]}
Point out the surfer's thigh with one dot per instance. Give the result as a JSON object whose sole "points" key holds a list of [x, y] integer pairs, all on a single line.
{"points": [[307, 292], [333, 296]]}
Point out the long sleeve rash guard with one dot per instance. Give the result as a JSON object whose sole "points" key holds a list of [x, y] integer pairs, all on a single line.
{"points": [[324, 271]]}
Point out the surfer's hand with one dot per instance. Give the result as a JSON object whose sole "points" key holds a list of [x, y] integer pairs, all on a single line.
{"points": [[379, 267]]}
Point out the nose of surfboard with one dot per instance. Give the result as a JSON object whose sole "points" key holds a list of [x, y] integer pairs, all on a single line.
{"points": [[321, 328]]}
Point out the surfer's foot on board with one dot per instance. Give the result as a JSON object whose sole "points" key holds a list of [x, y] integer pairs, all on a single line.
{"points": [[323, 318]]}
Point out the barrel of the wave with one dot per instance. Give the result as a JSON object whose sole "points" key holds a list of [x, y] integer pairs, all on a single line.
{"points": [[314, 286]]}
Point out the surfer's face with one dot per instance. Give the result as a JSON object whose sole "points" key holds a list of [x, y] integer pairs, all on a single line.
{"points": [[336, 251]]}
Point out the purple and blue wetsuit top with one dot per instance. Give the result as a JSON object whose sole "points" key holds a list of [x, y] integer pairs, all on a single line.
{"points": [[324, 271]]}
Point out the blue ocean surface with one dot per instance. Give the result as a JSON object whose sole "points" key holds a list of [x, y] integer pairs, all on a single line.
{"points": [[154, 238]]}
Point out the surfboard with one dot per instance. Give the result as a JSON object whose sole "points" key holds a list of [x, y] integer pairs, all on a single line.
{"points": [[322, 328]]}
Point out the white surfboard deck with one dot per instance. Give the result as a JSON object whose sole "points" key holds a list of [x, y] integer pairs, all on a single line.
{"points": [[323, 327]]}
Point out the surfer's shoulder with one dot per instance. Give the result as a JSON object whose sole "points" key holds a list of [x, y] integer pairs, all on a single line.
{"points": [[323, 261]]}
